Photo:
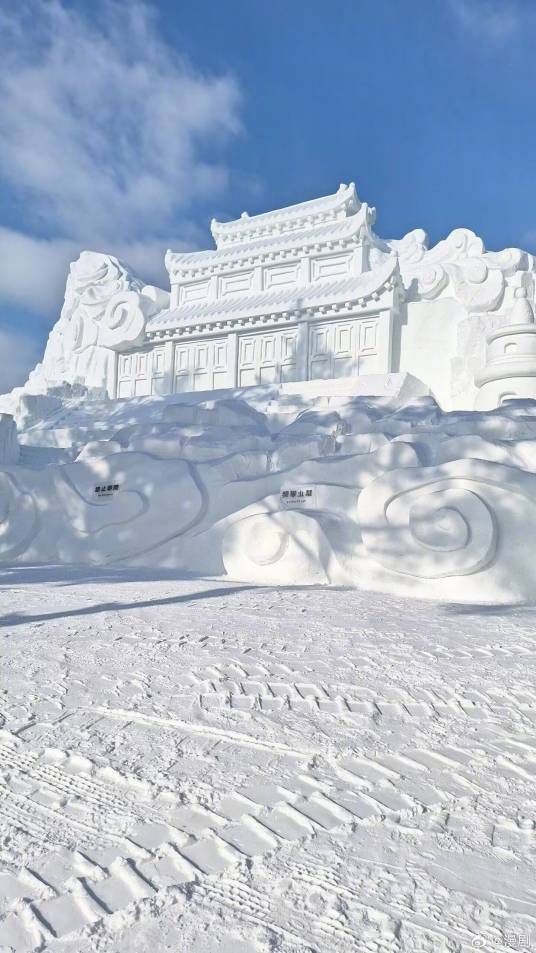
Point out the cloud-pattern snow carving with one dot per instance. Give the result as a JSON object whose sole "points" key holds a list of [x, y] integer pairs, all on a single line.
{"points": [[18, 518], [104, 308], [156, 500], [477, 278], [464, 518], [430, 530], [277, 548], [432, 505]]}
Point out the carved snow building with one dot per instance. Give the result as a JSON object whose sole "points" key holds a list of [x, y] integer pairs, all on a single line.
{"points": [[288, 295], [302, 293]]}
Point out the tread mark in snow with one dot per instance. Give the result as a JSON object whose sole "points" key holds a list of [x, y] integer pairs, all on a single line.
{"points": [[152, 854]]}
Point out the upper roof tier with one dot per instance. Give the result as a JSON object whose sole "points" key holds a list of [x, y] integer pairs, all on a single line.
{"points": [[326, 234], [305, 215]]}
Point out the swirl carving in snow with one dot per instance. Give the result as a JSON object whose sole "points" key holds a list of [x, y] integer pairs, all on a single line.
{"points": [[92, 322], [276, 548], [123, 322], [18, 518], [428, 524], [80, 333]]}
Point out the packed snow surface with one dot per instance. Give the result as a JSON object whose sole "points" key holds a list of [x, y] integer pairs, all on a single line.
{"points": [[201, 766]]}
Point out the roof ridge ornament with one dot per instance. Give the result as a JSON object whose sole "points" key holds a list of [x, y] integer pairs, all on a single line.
{"points": [[341, 204]]}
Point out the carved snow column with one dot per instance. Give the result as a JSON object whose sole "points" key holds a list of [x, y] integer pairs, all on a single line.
{"points": [[169, 369], [302, 351], [212, 290], [305, 271], [111, 375], [510, 368], [360, 258], [232, 359], [257, 283]]}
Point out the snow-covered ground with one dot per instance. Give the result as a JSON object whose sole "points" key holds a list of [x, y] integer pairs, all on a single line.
{"points": [[208, 767]]}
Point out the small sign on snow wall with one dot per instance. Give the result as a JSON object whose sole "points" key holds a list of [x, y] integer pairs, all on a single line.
{"points": [[106, 489], [297, 497]]}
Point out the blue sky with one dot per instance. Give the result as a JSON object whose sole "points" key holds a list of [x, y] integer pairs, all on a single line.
{"points": [[124, 126]]}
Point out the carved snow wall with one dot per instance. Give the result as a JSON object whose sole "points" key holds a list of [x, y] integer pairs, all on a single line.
{"points": [[357, 492]]}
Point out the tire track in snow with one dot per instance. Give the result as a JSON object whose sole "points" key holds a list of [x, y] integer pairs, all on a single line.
{"points": [[246, 687], [254, 822]]}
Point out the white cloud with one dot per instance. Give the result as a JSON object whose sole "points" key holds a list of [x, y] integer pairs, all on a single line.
{"points": [[102, 126], [33, 271], [108, 138], [530, 239], [146, 258], [490, 20], [20, 353]]}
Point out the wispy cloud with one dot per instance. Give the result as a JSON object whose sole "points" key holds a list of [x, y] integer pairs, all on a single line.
{"points": [[20, 353], [33, 270], [108, 137], [494, 21], [529, 239]]}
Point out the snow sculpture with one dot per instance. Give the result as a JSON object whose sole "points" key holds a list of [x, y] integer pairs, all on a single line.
{"points": [[510, 369], [302, 351], [105, 310], [394, 497], [96, 510], [154, 501], [514, 453], [460, 266], [321, 530], [295, 296]]}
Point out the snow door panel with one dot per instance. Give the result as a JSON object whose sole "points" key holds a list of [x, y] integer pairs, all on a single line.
{"points": [[142, 375], [320, 352], [124, 389], [369, 359], [289, 367], [182, 368], [201, 362], [159, 383], [247, 361], [201, 365], [368, 335], [344, 350], [268, 369], [267, 358], [124, 376], [220, 371], [334, 349]]}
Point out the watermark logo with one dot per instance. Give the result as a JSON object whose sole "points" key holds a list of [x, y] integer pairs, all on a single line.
{"points": [[515, 938], [518, 939]]}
